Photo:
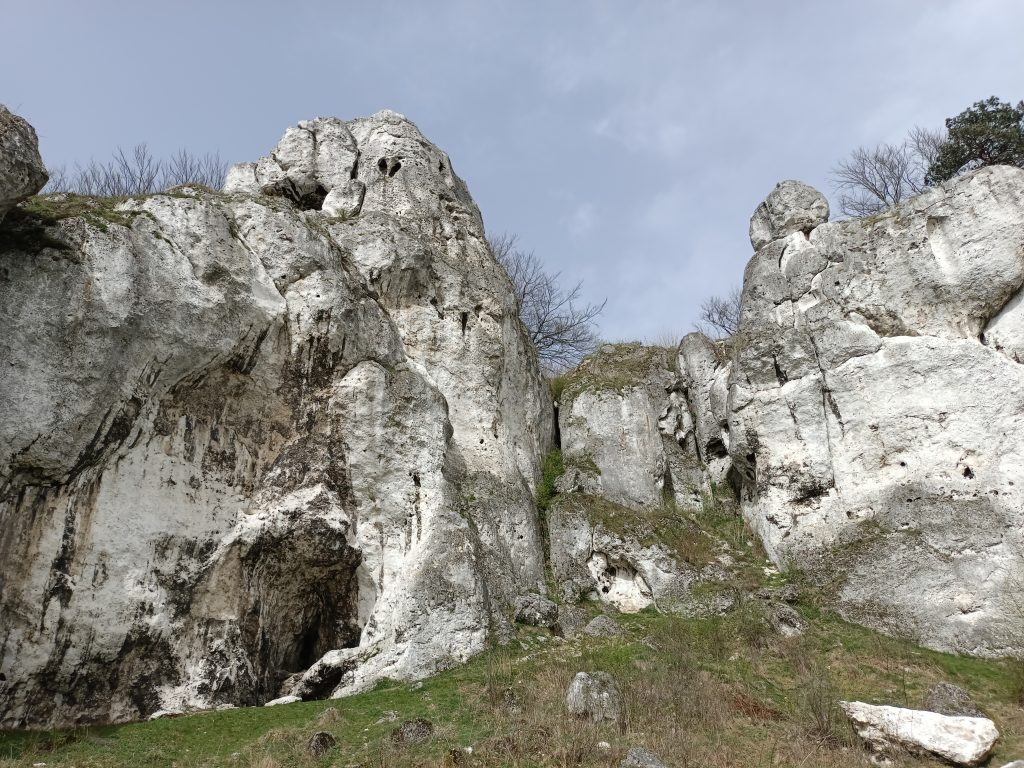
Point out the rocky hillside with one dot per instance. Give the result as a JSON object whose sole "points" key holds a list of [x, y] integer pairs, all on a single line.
{"points": [[276, 440], [289, 440], [868, 414]]}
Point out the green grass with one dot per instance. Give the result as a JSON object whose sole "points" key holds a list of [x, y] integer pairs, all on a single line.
{"points": [[552, 468], [615, 367], [698, 691]]}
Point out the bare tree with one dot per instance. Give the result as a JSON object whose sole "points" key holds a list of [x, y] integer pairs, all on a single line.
{"points": [[186, 168], [720, 315], [873, 179], [138, 172], [560, 323]]}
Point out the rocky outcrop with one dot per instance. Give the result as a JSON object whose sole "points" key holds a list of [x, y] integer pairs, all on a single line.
{"points": [[889, 730], [876, 406], [22, 173], [626, 429], [260, 443], [632, 560], [644, 441]]}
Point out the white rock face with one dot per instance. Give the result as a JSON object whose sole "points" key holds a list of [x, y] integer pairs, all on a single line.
{"points": [[876, 409], [958, 740], [250, 448], [705, 370], [21, 168], [627, 430], [595, 696], [614, 555], [791, 207]]}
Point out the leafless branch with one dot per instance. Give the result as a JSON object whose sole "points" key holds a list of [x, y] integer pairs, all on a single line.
{"points": [[138, 172], [873, 179], [720, 315], [560, 323]]}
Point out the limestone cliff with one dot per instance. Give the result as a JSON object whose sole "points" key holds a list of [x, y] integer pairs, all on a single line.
{"points": [[869, 413], [876, 406], [278, 438]]}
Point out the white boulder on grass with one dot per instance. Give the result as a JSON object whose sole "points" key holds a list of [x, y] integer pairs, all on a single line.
{"points": [[957, 739]]}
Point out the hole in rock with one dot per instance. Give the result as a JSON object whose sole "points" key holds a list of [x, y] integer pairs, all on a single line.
{"points": [[395, 168], [312, 201], [716, 448], [301, 600], [382, 165], [465, 320], [903, 463], [968, 473]]}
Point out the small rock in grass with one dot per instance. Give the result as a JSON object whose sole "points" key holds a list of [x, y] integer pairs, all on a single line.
{"points": [[594, 695], [641, 758], [602, 626], [320, 743], [417, 731]]}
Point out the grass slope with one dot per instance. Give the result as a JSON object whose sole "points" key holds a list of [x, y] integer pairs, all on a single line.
{"points": [[719, 691]]}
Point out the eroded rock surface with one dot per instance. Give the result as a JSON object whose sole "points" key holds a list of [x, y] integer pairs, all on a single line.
{"points": [[22, 172], [627, 431], [876, 407], [263, 443], [958, 740]]}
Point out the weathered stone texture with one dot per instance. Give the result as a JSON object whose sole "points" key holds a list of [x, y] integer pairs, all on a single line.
{"points": [[249, 447], [876, 410], [22, 172]]}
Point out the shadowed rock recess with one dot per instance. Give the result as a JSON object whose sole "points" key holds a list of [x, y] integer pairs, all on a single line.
{"points": [[280, 440]]}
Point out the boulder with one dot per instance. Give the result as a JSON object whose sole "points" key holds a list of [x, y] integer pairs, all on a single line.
{"points": [[320, 743], [535, 610], [22, 173], [958, 740], [250, 449], [282, 700], [641, 758], [791, 207], [594, 696], [571, 620], [603, 626], [872, 430]]}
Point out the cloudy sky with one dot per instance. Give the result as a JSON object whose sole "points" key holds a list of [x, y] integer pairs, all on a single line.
{"points": [[626, 143]]}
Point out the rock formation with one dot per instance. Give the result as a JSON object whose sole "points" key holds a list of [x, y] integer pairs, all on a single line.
{"points": [[626, 430], [21, 168], [892, 730], [869, 413], [642, 448], [280, 440], [876, 406]]}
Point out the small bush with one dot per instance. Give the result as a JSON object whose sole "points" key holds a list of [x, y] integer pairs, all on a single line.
{"points": [[138, 172], [552, 469]]}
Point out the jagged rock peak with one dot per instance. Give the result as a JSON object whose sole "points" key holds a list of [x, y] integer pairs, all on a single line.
{"points": [[250, 448], [22, 172], [377, 163], [791, 207]]}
